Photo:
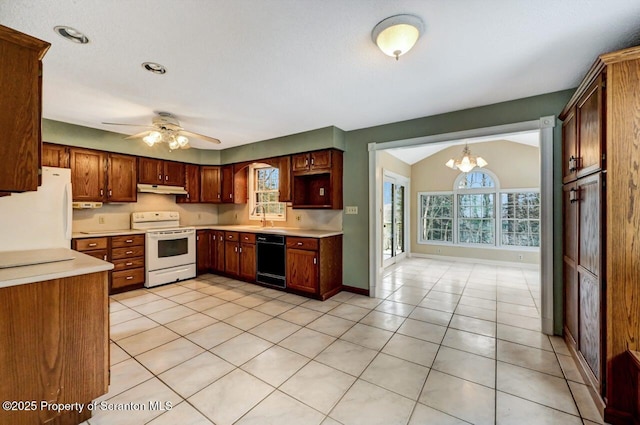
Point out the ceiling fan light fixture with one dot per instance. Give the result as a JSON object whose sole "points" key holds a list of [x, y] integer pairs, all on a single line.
{"points": [[173, 144], [182, 141], [152, 138], [397, 34]]}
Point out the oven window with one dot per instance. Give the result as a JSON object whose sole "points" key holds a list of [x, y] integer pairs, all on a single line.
{"points": [[173, 247]]}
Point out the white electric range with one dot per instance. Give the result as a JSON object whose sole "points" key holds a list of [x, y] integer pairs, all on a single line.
{"points": [[170, 252]]}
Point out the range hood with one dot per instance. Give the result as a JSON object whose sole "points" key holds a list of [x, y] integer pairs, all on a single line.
{"points": [[161, 189], [86, 205]]}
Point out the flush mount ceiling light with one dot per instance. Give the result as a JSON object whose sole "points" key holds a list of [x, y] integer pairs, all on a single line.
{"points": [[71, 34], [156, 68], [397, 34], [468, 162]]}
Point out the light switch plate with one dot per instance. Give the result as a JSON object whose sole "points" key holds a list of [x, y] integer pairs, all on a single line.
{"points": [[351, 210]]}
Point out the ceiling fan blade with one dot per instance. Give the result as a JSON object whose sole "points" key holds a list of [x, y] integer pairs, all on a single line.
{"points": [[199, 136], [130, 125], [138, 135]]}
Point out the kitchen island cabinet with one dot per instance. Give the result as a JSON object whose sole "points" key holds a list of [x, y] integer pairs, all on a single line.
{"points": [[54, 335]]}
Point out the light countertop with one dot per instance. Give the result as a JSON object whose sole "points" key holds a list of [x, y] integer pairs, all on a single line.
{"points": [[20, 275], [101, 233], [286, 231]]}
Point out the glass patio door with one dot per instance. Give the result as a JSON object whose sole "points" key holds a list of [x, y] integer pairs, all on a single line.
{"points": [[393, 220]]}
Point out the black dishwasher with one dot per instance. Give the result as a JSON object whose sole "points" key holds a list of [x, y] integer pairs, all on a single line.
{"points": [[271, 260]]}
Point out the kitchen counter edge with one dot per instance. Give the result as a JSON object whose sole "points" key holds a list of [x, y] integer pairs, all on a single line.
{"points": [[97, 234], [307, 233], [80, 265]]}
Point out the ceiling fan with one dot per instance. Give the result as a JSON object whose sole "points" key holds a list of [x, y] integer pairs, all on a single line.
{"points": [[165, 128]]}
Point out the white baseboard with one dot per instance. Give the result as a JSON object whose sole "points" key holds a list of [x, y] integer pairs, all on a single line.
{"points": [[528, 266]]}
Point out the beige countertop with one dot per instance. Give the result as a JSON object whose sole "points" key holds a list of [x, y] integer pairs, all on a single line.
{"points": [[79, 264], [286, 231], [101, 233]]}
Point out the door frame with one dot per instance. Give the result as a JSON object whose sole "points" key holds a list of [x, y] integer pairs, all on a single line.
{"points": [[545, 125], [404, 181]]}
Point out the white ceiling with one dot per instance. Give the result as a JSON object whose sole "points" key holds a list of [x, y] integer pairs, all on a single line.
{"points": [[250, 70], [411, 155]]}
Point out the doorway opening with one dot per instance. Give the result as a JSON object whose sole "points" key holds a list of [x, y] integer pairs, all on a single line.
{"points": [[394, 218]]}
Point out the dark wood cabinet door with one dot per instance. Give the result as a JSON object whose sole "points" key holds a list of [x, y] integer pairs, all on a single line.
{"points": [[191, 185], [150, 171], [173, 173], [203, 251], [284, 175], [210, 190], [232, 258], [589, 223], [248, 261], [590, 115], [569, 147], [320, 160], [88, 169], [302, 270], [300, 162], [570, 260], [20, 110], [217, 253], [590, 319], [227, 183], [122, 178], [55, 155]]}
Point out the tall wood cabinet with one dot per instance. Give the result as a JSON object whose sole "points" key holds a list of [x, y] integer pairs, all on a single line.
{"points": [[20, 110], [601, 232]]}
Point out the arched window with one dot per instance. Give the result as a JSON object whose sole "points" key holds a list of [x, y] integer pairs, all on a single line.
{"points": [[475, 195]]}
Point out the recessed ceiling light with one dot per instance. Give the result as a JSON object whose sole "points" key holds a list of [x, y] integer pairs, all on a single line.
{"points": [[71, 34], [156, 68]]}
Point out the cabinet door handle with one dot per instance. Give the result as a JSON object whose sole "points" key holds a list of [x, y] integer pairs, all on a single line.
{"points": [[129, 252], [306, 162], [315, 260], [166, 178], [241, 250], [187, 196], [129, 277], [214, 237], [101, 192], [299, 244], [159, 176], [218, 196], [230, 237], [93, 244], [104, 257], [128, 264], [311, 160], [235, 249], [129, 241], [110, 193], [573, 196]]}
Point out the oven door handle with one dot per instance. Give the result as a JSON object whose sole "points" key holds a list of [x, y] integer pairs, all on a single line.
{"points": [[171, 234]]}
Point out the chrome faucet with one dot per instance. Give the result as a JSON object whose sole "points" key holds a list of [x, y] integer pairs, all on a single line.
{"points": [[263, 222]]}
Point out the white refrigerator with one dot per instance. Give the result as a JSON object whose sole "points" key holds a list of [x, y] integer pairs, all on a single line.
{"points": [[41, 219]]}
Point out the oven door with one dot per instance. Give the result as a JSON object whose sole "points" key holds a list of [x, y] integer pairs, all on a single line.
{"points": [[170, 248]]}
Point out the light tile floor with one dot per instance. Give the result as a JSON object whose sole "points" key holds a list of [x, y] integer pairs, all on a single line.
{"points": [[442, 343]]}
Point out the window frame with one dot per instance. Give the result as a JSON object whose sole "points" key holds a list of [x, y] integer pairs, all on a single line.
{"points": [[253, 214], [420, 239]]}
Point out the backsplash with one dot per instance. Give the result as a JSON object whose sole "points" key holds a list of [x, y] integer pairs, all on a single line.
{"points": [[117, 216]]}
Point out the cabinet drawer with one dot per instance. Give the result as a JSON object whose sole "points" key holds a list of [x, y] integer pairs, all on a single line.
{"points": [[127, 277], [127, 263], [248, 237], [127, 252], [231, 236], [91, 243], [100, 254], [129, 240], [302, 243]]}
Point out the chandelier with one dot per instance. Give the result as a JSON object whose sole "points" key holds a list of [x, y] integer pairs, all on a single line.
{"points": [[175, 141], [468, 162]]}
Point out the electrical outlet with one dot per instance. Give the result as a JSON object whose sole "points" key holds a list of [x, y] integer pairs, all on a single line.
{"points": [[520, 256], [351, 210], [322, 191], [100, 219], [298, 217]]}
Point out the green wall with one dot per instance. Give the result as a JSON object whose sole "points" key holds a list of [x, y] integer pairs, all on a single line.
{"points": [[356, 176]]}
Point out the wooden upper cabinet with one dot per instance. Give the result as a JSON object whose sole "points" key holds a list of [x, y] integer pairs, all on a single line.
{"points": [[88, 169], [20, 110], [173, 173], [569, 147], [300, 162], [122, 178], [55, 155], [227, 183], [284, 174], [320, 160], [210, 190], [320, 184], [590, 122], [191, 185], [150, 171]]}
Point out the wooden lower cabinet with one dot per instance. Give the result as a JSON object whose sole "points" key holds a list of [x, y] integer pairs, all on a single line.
{"points": [[314, 266], [247, 256], [55, 347], [217, 250], [203, 251], [231, 253]]}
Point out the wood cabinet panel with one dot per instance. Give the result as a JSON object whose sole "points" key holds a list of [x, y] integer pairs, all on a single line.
{"points": [[232, 236], [127, 240], [300, 162], [125, 278], [127, 252], [203, 250], [590, 121], [128, 263], [318, 186], [302, 243], [100, 254], [210, 188], [89, 244], [247, 267], [191, 185], [227, 183], [88, 169], [55, 155], [320, 160], [247, 238], [217, 254], [20, 110], [173, 173], [231, 257], [302, 270], [569, 147], [589, 220], [150, 171], [590, 337], [122, 178], [55, 346], [284, 175]]}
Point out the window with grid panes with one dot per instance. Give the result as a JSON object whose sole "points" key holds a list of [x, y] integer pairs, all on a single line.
{"points": [[264, 194], [436, 217], [520, 218]]}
